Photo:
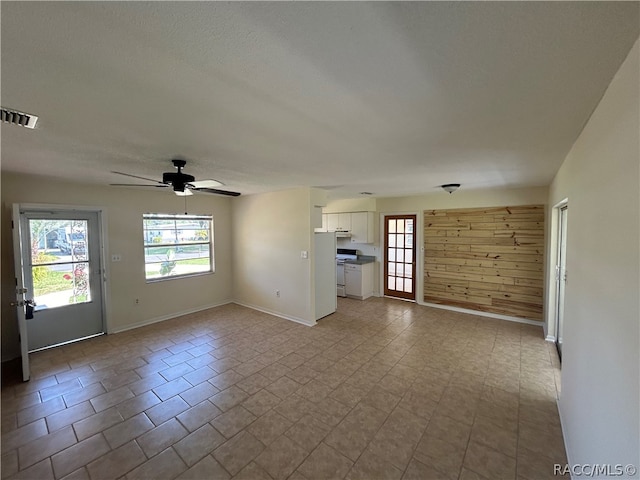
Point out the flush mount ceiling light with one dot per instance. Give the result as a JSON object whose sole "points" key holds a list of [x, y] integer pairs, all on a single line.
{"points": [[9, 115], [450, 187]]}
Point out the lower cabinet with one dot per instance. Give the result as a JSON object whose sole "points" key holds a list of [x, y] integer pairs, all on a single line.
{"points": [[358, 280]]}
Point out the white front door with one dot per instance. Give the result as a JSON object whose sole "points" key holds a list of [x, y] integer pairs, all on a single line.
{"points": [[61, 272]]}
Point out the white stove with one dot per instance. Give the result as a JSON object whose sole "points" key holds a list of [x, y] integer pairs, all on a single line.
{"points": [[342, 255]]}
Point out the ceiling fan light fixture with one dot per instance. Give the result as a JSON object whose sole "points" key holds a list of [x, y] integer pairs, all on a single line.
{"points": [[450, 187], [183, 193]]}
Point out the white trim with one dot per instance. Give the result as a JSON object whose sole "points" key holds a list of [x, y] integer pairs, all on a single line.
{"points": [[275, 314], [563, 430], [551, 283], [550, 338], [484, 314], [169, 316]]}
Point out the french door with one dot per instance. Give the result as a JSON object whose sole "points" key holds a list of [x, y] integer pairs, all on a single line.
{"points": [[400, 256], [58, 277]]}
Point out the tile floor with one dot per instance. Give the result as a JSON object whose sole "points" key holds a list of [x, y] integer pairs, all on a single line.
{"points": [[382, 389]]}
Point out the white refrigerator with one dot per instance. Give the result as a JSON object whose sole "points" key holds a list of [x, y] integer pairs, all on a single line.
{"points": [[325, 274]]}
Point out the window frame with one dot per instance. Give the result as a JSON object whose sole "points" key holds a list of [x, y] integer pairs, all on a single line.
{"points": [[175, 218]]}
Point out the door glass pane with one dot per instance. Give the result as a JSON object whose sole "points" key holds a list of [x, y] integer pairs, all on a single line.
{"points": [[392, 226], [400, 255], [408, 241], [59, 267], [391, 269], [400, 240], [407, 285], [400, 269], [399, 284], [391, 283], [408, 256], [400, 226], [391, 252], [409, 226], [392, 240]]}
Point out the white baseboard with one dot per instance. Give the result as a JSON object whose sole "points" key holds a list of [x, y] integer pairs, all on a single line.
{"points": [[162, 318], [550, 338], [484, 314], [275, 314], [564, 436]]}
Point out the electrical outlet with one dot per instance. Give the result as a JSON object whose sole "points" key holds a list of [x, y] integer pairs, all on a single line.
{"points": [[304, 254], [137, 301], [278, 293], [116, 257]]}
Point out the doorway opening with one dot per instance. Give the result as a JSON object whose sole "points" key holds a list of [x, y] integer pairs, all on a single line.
{"points": [[561, 274]]}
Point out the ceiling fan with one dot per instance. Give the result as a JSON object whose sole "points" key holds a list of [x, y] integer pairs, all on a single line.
{"points": [[182, 183]]}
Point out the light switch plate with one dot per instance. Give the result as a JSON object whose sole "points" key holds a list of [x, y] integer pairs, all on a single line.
{"points": [[304, 254]]}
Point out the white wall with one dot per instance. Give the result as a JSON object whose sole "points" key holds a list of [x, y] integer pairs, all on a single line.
{"points": [[124, 209], [600, 399], [269, 232]]}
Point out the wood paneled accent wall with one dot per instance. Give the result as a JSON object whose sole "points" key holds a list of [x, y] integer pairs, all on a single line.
{"points": [[487, 259]]}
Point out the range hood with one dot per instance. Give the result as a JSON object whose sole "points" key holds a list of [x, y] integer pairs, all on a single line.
{"points": [[343, 234]]}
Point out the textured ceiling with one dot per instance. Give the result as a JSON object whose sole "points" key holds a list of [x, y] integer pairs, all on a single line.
{"points": [[392, 98]]}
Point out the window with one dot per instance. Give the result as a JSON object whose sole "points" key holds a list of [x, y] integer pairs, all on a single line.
{"points": [[177, 245]]}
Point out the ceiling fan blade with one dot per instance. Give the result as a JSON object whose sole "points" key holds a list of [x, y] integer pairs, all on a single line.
{"points": [[206, 183], [136, 176], [162, 185], [215, 191]]}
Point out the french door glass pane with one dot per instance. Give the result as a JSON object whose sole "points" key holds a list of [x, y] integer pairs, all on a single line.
{"points": [[391, 252], [399, 284], [392, 240], [400, 240], [400, 269], [407, 285], [391, 269], [400, 255], [391, 283], [400, 226], [392, 226], [409, 228], [408, 256], [408, 241]]}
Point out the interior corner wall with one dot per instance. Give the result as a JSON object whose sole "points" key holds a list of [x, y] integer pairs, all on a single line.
{"points": [[269, 232], [124, 208], [600, 397]]}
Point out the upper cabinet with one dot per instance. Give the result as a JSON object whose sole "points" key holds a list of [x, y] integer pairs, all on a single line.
{"points": [[358, 224], [362, 227], [338, 222]]}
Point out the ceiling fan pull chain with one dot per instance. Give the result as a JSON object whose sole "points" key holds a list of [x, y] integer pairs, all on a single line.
{"points": [[185, 205]]}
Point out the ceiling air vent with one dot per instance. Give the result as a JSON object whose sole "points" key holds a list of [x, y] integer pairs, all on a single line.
{"points": [[21, 119]]}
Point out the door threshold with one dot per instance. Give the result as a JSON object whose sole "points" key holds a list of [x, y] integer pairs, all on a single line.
{"points": [[66, 343], [400, 298]]}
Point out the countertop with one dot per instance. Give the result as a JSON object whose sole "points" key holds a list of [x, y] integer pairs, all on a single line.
{"points": [[362, 259]]}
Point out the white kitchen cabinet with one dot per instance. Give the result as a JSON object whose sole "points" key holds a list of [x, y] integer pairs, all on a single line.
{"points": [[358, 280], [338, 222], [362, 227]]}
